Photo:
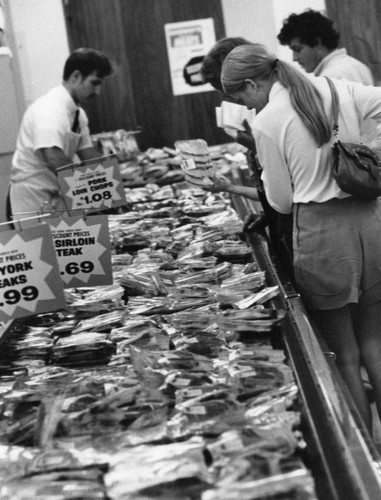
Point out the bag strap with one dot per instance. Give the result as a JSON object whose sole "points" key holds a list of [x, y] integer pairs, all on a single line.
{"points": [[335, 106]]}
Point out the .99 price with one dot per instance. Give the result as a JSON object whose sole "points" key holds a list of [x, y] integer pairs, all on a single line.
{"points": [[27, 293]]}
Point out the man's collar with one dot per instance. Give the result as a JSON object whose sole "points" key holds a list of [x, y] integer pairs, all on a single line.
{"points": [[68, 98], [320, 67]]}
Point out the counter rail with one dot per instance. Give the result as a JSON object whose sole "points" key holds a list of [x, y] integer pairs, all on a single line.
{"points": [[343, 455]]}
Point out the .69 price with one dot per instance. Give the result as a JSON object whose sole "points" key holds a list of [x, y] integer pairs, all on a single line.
{"points": [[12, 297], [83, 267]]}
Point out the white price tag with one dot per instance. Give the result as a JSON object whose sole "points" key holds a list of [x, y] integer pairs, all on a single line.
{"points": [[29, 276], [192, 393], [197, 410], [182, 382], [248, 373], [96, 184], [83, 250], [188, 164]]}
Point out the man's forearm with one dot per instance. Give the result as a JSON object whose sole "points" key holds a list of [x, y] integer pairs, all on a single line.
{"points": [[245, 191], [89, 154], [54, 158]]}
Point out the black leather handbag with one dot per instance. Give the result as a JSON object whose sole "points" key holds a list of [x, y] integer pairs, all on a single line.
{"points": [[356, 168]]}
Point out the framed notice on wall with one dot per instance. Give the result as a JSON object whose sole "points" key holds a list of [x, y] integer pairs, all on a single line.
{"points": [[186, 41]]}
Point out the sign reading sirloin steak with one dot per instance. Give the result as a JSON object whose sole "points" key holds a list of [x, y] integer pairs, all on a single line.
{"points": [[83, 250]]}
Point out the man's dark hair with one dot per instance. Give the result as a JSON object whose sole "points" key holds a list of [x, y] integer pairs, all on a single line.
{"points": [[212, 62], [309, 27], [87, 61]]}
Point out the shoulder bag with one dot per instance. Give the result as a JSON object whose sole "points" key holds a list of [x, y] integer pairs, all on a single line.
{"points": [[356, 168]]}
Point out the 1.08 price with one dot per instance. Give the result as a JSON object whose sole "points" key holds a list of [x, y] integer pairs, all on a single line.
{"points": [[27, 293], [96, 197], [83, 267]]}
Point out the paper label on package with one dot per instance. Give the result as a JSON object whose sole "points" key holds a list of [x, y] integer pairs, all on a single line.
{"points": [[197, 410], [182, 382], [188, 164], [96, 184], [192, 393], [246, 374], [29, 277], [83, 250]]}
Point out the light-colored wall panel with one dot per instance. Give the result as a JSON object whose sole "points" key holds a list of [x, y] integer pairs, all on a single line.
{"points": [[40, 40], [9, 122], [251, 19], [359, 26], [261, 20]]}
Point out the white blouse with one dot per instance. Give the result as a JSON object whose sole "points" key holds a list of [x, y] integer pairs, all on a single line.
{"points": [[295, 170]]}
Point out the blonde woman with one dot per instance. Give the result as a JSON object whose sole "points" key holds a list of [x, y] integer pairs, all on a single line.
{"points": [[336, 237]]}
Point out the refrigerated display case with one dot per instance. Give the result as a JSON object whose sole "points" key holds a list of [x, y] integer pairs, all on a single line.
{"points": [[117, 418]]}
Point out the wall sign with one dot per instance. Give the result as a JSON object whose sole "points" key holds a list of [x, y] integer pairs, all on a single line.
{"points": [[185, 41], [94, 184], [83, 250], [29, 278]]}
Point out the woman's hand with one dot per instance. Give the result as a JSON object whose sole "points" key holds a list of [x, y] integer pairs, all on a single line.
{"points": [[220, 184], [245, 137], [255, 223]]}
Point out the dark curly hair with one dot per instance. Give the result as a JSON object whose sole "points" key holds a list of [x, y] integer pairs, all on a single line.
{"points": [[87, 61], [310, 27], [212, 62]]}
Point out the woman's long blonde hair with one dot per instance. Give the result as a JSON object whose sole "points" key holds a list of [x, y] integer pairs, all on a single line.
{"points": [[254, 61]]}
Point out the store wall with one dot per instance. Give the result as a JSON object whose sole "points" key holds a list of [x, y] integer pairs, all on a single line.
{"points": [[359, 27], [260, 21], [251, 19], [142, 92], [38, 27], [38, 39], [35, 33]]}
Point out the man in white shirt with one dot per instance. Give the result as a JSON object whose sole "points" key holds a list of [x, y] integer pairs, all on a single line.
{"points": [[314, 43], [53, 131]]}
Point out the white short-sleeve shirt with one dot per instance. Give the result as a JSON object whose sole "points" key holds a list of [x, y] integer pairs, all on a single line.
{"points": [[47, 123], [338, 64]]}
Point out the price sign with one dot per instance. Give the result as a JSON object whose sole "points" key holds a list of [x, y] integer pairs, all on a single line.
{"points": [[83, 250], [96, 184], [29, 276]]}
